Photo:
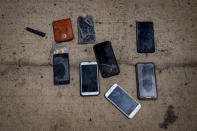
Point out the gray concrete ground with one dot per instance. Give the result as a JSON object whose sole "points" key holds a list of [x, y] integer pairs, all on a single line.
{"points": [[30, 102]]}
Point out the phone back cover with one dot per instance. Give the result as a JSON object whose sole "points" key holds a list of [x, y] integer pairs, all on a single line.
{"points": [[145, 37], [63, 30], [86, 30], [106, 59], [61, 69], [146, 81]]}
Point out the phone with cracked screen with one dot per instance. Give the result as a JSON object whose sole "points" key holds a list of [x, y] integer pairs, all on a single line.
{"points": [[106, 59], [146, 81], [145, 37], [61, 69], [123, 101], [89, 78], [86, 32]]}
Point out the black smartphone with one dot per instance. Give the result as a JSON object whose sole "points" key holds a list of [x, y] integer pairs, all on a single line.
{"points": [[106, 59], [86, 32], [146, 81], [89, 78], [145, 37], [61, 69]]}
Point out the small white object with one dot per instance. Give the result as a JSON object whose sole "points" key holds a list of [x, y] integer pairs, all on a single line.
{"points": [[60, 49], [64, 35], [84, 15]]}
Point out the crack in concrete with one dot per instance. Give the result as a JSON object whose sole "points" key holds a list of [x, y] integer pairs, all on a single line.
{"points": [[177, 65], [23, 63], [159, 67], [165, 66]]}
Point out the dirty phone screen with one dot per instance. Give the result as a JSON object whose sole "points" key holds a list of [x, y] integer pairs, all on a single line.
{"points": [[106, 59], [86, 29], [146, 81], [145, 37], [89, 78], [61, 69], [123, 101]]}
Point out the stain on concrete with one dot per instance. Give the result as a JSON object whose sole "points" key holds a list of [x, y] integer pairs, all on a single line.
{"points": [[90, 119], [163, 50], [85, 50], [188, 2], [185, 84], [2, 16], [55, 127], [8, 115], [98, 22], [88, 50], [160, 71], [169, 117], [136, 6], [59, 94], [175, 65]]}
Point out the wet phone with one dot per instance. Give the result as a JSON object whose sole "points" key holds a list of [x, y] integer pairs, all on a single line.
{"points": [[89, 78], [61, 69], [145, 37], [146, 81], [106, 59], [124, 102], [86, 30]]}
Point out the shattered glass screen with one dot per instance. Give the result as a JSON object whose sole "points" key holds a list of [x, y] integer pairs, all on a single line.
{"points": [[86, 29], [106, 59]]}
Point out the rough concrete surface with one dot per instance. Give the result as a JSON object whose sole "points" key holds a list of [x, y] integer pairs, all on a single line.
{"points": [[30, 102]]}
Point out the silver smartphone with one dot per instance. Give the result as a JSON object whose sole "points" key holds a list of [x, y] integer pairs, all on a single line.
{"points": [[89, 78], [146, 81], [124, 102]]}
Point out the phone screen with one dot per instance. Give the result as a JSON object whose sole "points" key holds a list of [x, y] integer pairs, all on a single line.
{"points": [[106, 59], [146, 81], [145, 37], [61, 69], [86, 29], [89, 76], [120, 98]]}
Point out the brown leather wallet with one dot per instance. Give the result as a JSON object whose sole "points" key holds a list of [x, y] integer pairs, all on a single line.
{"points": [[63, 30]]}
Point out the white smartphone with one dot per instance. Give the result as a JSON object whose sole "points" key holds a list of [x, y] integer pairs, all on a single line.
{"points": [[124, 102], [89, 78]]}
